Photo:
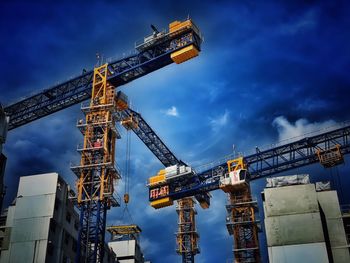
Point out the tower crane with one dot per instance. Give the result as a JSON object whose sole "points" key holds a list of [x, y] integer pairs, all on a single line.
{"points": [[182, 42], [97, 171], [234, 176]]}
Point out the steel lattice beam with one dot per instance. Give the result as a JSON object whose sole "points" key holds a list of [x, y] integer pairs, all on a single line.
{"points": [[292, 155], [78, 89], [268, 162], [152, 140]]}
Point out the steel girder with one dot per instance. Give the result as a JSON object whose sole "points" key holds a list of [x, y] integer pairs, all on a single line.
{"points": [[152, 140], [269, 162], [79, 88], [291, 155]]}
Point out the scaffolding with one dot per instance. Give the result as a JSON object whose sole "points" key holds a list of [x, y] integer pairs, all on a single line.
{"points": [[97, 172], [187, 237]]}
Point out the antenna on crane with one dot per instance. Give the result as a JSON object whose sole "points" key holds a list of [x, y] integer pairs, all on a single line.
{"points": [[155, 30], [99, 58]]}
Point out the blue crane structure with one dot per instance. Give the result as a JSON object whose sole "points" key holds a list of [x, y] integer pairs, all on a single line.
{"points": [[181, 43], [233, 177], [326, 148]]}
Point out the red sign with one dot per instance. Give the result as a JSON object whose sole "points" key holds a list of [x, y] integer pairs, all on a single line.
{"points": [[159, 192]]}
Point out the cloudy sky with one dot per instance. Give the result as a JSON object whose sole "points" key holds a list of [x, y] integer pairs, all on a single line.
{"points": [[268, 71]]}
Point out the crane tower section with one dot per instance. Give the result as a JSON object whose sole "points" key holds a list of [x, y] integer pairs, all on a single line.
{"points": [[241, 209], [187, 236], [97, 172]]}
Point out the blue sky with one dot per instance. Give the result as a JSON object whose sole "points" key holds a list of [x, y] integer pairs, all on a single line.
{"points": [[268, 71]]}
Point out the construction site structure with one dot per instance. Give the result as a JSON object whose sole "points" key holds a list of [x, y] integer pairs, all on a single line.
{"points": [[125, 242], [264, 163], [330, 157], [303, 223], [41, 225], [233, 177], [4, 120], [182, 42], [187, 237], [241, 219], [97, 172]]}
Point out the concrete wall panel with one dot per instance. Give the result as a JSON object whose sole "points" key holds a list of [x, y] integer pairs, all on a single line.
{"points": [[294, 229], [329, 203], [341, 255], [310, 253], [35, 206], [30, 229], [38, 184], [287, 200]]}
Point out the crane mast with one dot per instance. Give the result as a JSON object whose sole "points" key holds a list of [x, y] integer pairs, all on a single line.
{"points": [[97, 172], [234, 176]]}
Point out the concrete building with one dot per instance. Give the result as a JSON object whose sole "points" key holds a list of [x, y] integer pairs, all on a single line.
{"points": [[128, 251], [125, 243], [3, 132], [303, 225], [42, 224]]}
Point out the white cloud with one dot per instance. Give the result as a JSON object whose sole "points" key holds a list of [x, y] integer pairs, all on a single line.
{"points": [[290, 131], [172, 111], [210, 91], [220, 121], [307, 21]]}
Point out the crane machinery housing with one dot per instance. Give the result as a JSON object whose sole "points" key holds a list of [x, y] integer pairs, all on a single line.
{"points": [[97, 172], [234, 176]]}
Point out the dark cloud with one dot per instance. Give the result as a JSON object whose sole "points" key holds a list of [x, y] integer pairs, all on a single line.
{"points": [[259, 61]]}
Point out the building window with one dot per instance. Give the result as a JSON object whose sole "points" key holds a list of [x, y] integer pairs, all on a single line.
{"points": [[53, 225], [68, 217], [50, 248], [57, 204], [74, 246], [59, 187], [76, 225], [66, 238]]}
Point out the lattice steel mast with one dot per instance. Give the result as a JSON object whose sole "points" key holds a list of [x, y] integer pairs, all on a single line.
{"points": [[97, 171], [187, 236]]}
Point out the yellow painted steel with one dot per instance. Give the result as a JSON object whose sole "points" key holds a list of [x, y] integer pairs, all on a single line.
{"points": [[331, 157], [178, 25], [186, 237], [99, 85], [241, 208], [188, 52], [122, 105], [99, 142], [130, 123], [126, 198], [159, 178], [204, 205], [163, 202], [236, 164], [124, 229], [184, 54]]}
